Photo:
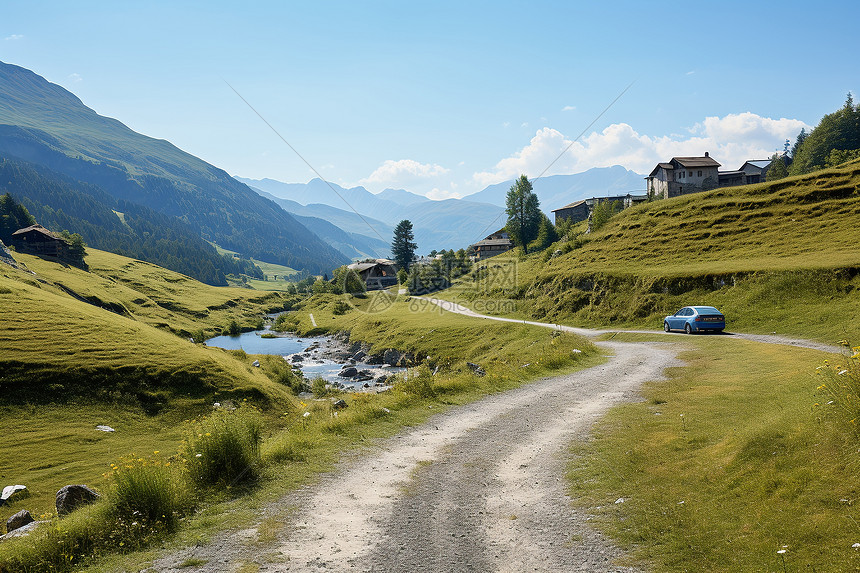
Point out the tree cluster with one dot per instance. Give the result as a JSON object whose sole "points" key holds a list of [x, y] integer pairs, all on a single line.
{"points": [[438, 274], [834, 140]]}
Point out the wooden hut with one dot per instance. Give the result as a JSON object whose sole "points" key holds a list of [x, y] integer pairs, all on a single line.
{"points": [[37, 240]]}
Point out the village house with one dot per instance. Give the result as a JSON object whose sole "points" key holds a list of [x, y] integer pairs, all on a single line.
{"points": [[581, 210], [37, 240], [494, 244], [376, 274], [684, 175]]}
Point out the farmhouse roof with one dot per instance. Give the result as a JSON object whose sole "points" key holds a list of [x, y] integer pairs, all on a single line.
{"points": [[38, 228], [493, 243], [361, 266], [666, 166], [569, 206], [705, 161], [760, 163]]}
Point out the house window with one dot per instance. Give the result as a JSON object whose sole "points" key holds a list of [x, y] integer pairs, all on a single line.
{"points": [[700, 173]]}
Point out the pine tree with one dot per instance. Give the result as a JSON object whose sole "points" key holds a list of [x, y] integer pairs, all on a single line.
{"points": [[403, 247], [777, 169], [523, 210]]}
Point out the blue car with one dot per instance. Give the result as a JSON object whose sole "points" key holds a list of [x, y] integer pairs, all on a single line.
{"points": [[692, 319]]}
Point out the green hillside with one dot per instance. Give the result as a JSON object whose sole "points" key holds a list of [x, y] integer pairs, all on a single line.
{"points": [[44, 124], [120, 331], [779, 256]]}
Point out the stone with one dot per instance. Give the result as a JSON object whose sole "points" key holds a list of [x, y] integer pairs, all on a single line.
{"points": [[348, 372], [71, 497], [340, 404], [476, 368], [359, 356], [381, 380], [11, 492], [23, 530], [391, 357], [256, 363], [103, 428], [20, 519], [297, 358]]}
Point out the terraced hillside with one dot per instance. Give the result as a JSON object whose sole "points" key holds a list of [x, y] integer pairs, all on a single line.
{"points": [[777, 257]]}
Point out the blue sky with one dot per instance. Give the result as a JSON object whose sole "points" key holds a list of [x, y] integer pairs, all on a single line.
{"points": [[444, 98]]}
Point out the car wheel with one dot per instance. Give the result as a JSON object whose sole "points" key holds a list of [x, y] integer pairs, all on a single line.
{"points": [[719, 331], [666, 327], [687, 328]]}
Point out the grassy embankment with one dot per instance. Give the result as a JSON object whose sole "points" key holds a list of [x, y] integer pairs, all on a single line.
{"points": [[775, 257], [735, 457], [93, 366]]}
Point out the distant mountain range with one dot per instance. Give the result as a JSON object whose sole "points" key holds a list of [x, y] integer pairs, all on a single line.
{"points": [[556, 191], [452, 223], [46, 125]]}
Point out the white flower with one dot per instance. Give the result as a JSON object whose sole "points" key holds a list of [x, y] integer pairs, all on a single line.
{"points": [[781, 551], [843, 372], [198, 455], [856, 546], [306, 414]]}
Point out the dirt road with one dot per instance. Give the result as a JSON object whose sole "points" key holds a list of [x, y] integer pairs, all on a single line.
{"points": [[478, 488]]}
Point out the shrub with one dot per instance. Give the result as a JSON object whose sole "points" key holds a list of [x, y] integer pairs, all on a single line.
{"points": [[341, 307], [319, 387], [419, 383], [145, 492], [225, 448]]}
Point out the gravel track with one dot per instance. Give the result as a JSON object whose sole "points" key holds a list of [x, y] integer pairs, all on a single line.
{"points": [[478, 488]]}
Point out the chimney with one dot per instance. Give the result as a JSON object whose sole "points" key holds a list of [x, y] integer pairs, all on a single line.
{"points": [[706, 154]]}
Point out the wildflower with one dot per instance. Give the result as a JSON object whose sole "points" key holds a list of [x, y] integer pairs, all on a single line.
{"points": [[198, 455], [156, 451], [781, 551], [822, 387], [842, 372], [306, 414]]}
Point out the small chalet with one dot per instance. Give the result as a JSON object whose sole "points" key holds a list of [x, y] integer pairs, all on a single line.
{"points": [[495, 244], [581, 210], [378, 274], [37, 240]]}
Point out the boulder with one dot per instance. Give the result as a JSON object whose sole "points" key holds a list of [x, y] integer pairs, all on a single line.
{"points": [[340, 404], [391, 357], [256, 363], [359, 356], [381, 380], [71, 497], [476, 368], [103, 428], [348, 372], [20, 519], [297, 358], [363, 375]]}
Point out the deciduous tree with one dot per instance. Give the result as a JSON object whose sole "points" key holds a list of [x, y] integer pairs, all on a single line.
{"points": [[523, 210]]}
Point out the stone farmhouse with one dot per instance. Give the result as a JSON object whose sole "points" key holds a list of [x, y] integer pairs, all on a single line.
{"points": [[377, 274], [682, 175]]}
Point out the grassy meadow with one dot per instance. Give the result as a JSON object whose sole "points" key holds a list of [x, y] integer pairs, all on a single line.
{"points": [[735, 457], [775, 257]]}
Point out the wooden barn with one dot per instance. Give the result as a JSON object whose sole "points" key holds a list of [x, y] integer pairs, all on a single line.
{"points": [[378, 274], [37, 240], [495, 244]]}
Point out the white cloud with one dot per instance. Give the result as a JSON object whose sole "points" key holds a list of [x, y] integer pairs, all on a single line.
{"points": [[568, 108], [439, 194], [524, 124], [731, 140], [14, 37], [75, 78], [403, 173]]}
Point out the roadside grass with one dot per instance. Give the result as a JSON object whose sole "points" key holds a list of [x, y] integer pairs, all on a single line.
{"points": [[777, 257], [735, 457]]}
